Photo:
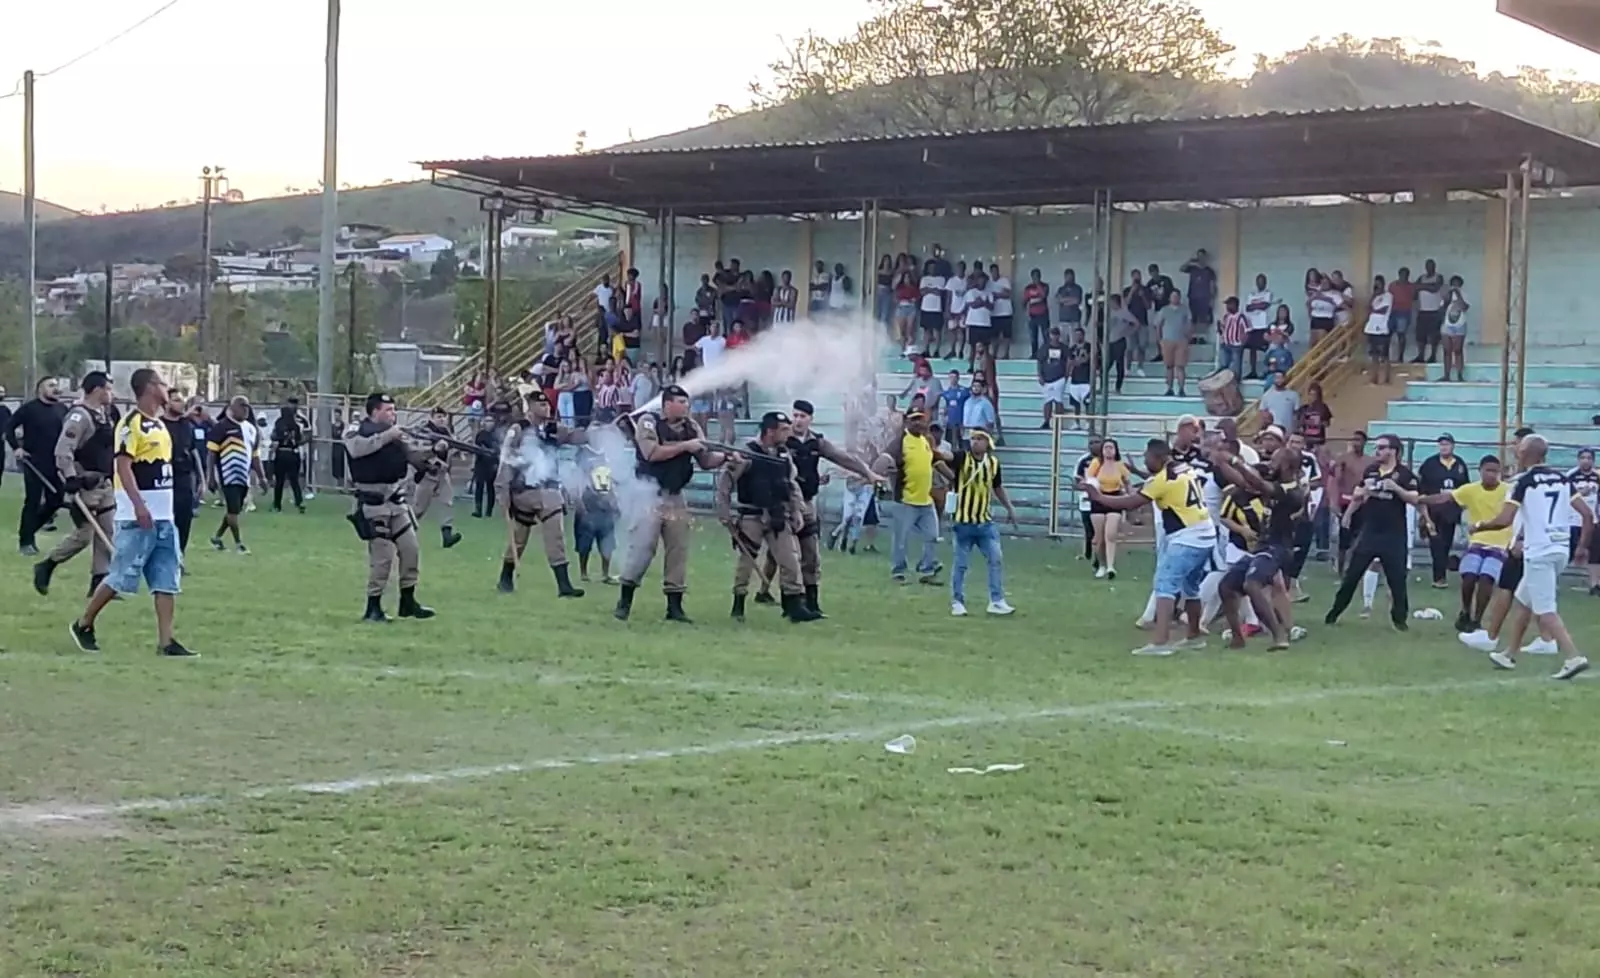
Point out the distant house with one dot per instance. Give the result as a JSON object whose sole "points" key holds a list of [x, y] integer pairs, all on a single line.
{"points": [[595, 237], [525, 237], [421, 248]]}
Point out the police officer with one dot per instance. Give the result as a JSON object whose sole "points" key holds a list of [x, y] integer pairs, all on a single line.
{"points": [[770, 509], [85, 457], [530, 483], [667, 445], [433, 478], [808, 448], [380, 464]]}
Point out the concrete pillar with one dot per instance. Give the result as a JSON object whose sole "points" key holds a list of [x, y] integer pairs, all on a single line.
{"points": [[1005, 243], [802, 268], [625, 243], [1494, 312], [1360, 272], [1119, 252], [1227, 261]]}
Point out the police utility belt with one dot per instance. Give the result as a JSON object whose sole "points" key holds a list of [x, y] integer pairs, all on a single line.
{"points": [[777, 517]]}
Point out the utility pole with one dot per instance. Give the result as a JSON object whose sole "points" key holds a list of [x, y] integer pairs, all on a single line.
{"points": [[330, 230], [108, 318], [211, 183], [30, 222], [350, 334]]}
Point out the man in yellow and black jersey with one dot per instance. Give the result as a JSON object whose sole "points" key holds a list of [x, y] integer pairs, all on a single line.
{"points": [[1260, 509], [145, 545], [1177, 491]]}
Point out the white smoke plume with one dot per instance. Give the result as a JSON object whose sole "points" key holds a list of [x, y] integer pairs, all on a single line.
{"points": [[636, 495], [824, 361]]}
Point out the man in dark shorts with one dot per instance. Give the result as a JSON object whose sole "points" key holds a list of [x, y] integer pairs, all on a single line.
{"points": [[1585, 481], [1386, 491], [234, 445], [1347, 471], [1268, 501]]}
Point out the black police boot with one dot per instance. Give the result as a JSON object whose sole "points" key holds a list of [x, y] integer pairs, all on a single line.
{"points": [[675, 609], [811, 601], [42, 572], [375, 610], [737, 614], [794, 609], [624, 602], [409, 608], [764, 597], [508, 577], [564, 588], [450, 536]]}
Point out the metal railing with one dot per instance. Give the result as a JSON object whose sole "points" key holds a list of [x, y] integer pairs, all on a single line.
{"points": [[1331, 362], [520, 343]]}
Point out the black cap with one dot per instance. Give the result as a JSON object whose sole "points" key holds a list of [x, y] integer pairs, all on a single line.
{"points": [[1447, 437], [804, 407], [773, 420], [1523, 432], [377, 399], [536, 396], [673, 390], [94, 380], [500, 407]]}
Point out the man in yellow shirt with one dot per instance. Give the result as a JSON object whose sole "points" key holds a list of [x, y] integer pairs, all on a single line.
{"points": [[1485, 558], [911, 480]]}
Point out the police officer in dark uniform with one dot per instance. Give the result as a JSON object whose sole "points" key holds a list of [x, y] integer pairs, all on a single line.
{"points": [[668, 445], [769, 509], [85, 458], [530, 483], [380, 463], [808, 449]]}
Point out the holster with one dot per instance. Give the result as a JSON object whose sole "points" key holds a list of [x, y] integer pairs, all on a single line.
{"points": [[365, 531], [777, 520]]}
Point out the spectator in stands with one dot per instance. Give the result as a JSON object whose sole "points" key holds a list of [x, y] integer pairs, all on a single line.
{"points": [[980, 316], [1322, 303], [955, 304], [1003, 314], [978, 411], [883, 290], [472, 396], [1431, 296], [1136, 299], [1172, 326], [922, 382], [1202, 291], [1377, 331], [748, 311], [633, 303], [1053, 363], [785, 298], [766, 290], [1036, 301], [1312, 419], [1280, 403], [1279, 359], [1080, 374], [606, 396], [1402, 302], [705, 298], [1124, 329], [842, 295], [726, 281], [1159, 287], [1231, 335], [1345, 298], [1258, 307], [821, 287], [929, 312], [1069, 301], [1454, 330], [565, 386], [952, 407]]}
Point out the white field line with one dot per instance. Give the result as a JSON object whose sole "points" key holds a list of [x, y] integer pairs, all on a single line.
{"points": [[511, 676], [19, 817]]}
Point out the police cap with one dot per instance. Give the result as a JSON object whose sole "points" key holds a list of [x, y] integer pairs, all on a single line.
{"points": [[377, 399], [773, 420], [672, 391]]}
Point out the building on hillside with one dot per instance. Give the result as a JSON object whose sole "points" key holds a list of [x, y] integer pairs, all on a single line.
{"points": [[595, 238], [353, 232], [526, 237], [256, 282], [419, 248], [183, 378], [407, 366]]}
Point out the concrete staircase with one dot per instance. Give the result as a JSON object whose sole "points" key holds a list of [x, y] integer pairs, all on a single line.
{"points": [[1562, 401]]}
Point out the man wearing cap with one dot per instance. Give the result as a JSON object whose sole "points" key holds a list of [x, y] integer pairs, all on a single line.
{"points": [[85, 459], [910, 472], [978, 485], [433, 478], [769, 509], [1442, 473], [234, 444], [668, 446], [529, 481], [808, 449], [380, 464]]}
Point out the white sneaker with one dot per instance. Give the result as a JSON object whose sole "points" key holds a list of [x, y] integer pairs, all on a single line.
{"points": [[1366, 611], [1192, 644], [1502, 661], [1572, 667], [1100, 574], [1297, 633], [958, 610], [1478, 641], [1155, 650], [1000, 608], [1541, 646], [1143, 624]]}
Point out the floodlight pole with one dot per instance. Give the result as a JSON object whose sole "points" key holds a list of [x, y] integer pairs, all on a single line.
{"points": [[870, 266], [30, 218], [672, 282], [326, 299], [495, 207], [1519, 287]]}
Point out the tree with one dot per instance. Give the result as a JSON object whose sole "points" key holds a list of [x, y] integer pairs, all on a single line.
{"points": [[953, 65], [446, 269]]}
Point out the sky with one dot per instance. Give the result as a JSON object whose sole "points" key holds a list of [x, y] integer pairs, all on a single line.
{"points": [[239, 84]]}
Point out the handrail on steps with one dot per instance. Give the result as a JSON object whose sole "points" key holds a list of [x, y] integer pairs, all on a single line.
{"points": [[1329, 363]]}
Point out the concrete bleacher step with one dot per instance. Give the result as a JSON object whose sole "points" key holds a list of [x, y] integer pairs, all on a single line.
{"points": [[1536, 395]]}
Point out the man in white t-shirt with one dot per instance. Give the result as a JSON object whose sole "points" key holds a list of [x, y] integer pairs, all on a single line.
{"points": [[605, 297], [979, 306], [1001, 315], [712, 345], [1431, 296], [930, 311], [1259, 308], [1345, 295], [955, 290], [1377, 330]]}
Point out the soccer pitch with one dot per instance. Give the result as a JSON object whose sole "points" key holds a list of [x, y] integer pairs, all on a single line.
{"points": [[526, 787]]}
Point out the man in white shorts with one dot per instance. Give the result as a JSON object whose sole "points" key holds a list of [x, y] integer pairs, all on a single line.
{"points": [[1545, 505]]}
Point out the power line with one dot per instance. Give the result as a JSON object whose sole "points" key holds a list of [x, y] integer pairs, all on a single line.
{"points": [[147, 18]]}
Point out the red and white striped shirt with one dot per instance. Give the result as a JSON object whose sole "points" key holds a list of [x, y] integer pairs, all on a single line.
{"points": [[1233, 328], [608, 396]]}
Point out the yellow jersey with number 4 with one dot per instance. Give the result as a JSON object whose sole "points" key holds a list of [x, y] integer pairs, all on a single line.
{"points": [[1179, 495]]}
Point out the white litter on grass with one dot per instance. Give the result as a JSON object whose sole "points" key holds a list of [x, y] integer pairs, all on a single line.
{"points": [[1337, 743], [903, 744], [1428, 614], [991, 769]]}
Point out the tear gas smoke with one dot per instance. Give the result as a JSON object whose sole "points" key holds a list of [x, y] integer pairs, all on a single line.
{"points": [[634, 494]]}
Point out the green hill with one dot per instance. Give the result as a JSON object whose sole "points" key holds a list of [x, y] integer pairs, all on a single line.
{"points": [[11, 210]]}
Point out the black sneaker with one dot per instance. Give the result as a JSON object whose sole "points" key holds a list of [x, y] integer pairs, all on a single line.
{"points": [[28, 550], [82, 637], [216, 544], [1401, 626], [176, 650]]}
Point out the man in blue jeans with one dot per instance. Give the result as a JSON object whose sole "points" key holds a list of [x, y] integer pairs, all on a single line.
{"points": [[1177, 490], [911, 462], [146, 541], [977, 485]]}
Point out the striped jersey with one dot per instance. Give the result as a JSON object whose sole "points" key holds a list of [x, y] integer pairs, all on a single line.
{"points": [[977, 477], [234, 445]]}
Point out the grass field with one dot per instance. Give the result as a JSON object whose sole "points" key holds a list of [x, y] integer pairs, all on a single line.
{"points": [[525, 788]]}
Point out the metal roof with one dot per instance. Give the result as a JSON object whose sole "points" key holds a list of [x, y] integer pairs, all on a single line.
{"points": [[1574, 21], [1459, 146]]}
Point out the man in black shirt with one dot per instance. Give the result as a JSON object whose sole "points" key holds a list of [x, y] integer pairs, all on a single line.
{"points": [[1080, 472], [1385, 491], [185, 468], [39, 421], [1054, 359], [1079, 372], [1442, 473]]}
